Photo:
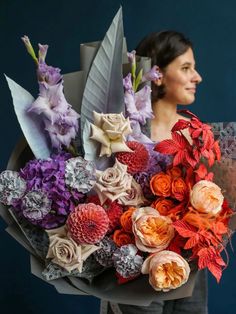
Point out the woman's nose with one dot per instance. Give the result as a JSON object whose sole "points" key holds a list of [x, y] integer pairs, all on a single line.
{"points": [[197, 77]]}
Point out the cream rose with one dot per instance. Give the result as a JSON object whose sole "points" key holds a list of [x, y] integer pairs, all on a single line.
{"points": [[134, 196], [113, 183], [110, 130], [65, 252], [152, 231], [206, 197], [167, 270]]}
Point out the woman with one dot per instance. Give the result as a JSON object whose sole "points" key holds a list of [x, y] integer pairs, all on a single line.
{"points": [[173, 54]]}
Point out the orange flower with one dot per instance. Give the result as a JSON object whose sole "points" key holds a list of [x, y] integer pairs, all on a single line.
{"points": [[160, 184], [163, 206], [174, 172], [167, 270], [120, 237], [126, 220], [179, 188], [152, 231]]}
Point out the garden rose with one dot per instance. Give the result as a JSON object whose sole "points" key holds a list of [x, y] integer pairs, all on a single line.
{"points": [[163, 206], [113, 183], [160, 184], [110, 130], [121, 237], [167, 270], [65, 252], [179, 188], [152, 231], [206, 197], [134, 196]]}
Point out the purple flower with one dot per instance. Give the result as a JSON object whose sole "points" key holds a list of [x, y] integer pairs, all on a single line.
{"points": [[131, 57], [152, 75], [48, 74], [43, 49], [60, 120], [138, 105], [127, 83], [137, 134], [48, 176]]}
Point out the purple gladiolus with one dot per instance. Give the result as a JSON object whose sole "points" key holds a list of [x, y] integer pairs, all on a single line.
{"points": [[60, 120], [138, 105], [152, 75]]}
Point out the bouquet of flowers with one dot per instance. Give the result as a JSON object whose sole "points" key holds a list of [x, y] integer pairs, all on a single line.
{"points": [[103, 197]]}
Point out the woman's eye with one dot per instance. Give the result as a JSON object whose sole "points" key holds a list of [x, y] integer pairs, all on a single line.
{"points": [[185, 69]]}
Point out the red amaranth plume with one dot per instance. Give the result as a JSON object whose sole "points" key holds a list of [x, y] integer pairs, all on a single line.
{"points": [[137, 160]]}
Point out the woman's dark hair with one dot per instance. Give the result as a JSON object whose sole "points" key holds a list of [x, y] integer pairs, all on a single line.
{"points": [[162, 47]]}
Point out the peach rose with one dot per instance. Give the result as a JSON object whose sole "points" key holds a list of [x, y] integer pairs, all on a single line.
{"points": [[179, 188], [160, 184], [152, 231], [167, 270], [174, 172], [163, 206], [206, 197]]}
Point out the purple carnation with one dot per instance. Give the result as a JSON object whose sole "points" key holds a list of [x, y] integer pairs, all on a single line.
{"points": [[48, 176]]}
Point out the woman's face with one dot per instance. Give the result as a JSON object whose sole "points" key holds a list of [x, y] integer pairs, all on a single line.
{"points": [[180, 79]]}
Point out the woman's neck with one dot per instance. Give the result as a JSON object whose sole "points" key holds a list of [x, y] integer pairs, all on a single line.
{"points": [[165, 113], [165, 117]]}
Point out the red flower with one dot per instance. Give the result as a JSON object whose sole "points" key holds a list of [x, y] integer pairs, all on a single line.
{"points": [[113, 210], [137, 160], [88, 223]]}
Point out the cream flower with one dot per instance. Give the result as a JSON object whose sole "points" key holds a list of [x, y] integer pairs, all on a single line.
{"points": [[65, 252], [167, 270], [206, 197], [113, 183], [134, 196], [110, 130], [152, 231]]}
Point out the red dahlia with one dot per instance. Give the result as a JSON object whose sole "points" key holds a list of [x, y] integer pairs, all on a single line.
{"points": [[88, 223], [113, 210], [137, 160]]}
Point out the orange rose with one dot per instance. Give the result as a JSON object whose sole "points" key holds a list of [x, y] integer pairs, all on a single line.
{"points": [[120, 237], [206, 197], [152, 231], [160, 184], [126, 220], [174, 172], [167, 270], [179, 188], [163, 206]]}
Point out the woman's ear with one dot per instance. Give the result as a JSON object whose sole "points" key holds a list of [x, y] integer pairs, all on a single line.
{"points": [[158, 82]]}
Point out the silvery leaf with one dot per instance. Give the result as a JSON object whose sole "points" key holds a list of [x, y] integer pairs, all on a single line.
{"points": [[104, 87], [30, 125]]}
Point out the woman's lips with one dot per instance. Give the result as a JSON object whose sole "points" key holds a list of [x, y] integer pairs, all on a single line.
{"points": [[191, 90]]}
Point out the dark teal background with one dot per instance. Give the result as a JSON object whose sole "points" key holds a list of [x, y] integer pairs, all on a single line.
{"points": [[63, 25]]}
